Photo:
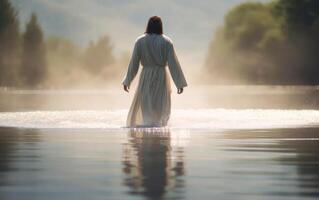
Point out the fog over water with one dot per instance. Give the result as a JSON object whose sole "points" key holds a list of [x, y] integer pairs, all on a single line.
{"points": [[123, 21], [199, 107]]}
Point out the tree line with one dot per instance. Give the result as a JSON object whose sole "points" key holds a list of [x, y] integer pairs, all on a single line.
{"points": [[29, 59], [267, 43]]}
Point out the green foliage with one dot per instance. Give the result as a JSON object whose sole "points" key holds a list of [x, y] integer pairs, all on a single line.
{"points": [[34, 54], [9, 44], [267, 43], [62, 54], [30, 61], [73, 66], [299, 15], [247, 25]]}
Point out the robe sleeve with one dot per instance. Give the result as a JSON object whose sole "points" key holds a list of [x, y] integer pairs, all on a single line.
{"points": [[133, 65], [175, 68]]}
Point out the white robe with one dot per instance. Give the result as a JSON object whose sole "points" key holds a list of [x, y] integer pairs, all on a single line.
{"points": [[151, 105]]}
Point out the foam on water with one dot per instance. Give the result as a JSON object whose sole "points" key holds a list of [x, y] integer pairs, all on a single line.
{"points": [[180, 118]]}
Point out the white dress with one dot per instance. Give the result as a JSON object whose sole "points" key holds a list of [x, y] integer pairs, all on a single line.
{"points": [[151, 105]]}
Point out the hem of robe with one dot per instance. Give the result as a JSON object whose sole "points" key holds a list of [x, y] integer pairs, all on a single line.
{"points": [[151, 105]]}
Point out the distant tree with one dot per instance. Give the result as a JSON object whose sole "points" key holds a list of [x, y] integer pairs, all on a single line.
{"points": [[98, 55], [62, 54], [242, 47], [33, 69], [267, 43], [299, 15], [9, 44], [301, 26], [251, 26]]}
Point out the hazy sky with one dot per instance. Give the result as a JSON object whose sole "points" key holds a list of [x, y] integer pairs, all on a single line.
{"points": [[190, 23]]}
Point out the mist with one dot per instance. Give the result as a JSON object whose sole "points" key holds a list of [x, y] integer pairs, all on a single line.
{"points": [[93, 20], [53, 47]]}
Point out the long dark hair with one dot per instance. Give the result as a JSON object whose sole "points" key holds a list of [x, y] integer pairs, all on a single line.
{"points": [[154, 25]]}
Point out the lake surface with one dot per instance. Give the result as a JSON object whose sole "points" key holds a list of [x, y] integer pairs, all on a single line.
{"points": [[221, 143], [159, 164]]}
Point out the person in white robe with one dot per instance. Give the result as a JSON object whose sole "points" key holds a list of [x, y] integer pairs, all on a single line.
{"points": [[151, 105]]}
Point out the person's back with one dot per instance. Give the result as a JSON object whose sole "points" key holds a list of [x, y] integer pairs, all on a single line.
{"points": [[154, 49], [151, 105]]}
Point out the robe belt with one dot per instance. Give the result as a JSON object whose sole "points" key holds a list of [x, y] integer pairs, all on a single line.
{"points": [[152, 66]]}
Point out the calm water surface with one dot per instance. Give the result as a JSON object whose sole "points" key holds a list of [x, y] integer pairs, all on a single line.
{"points": [[224, 143], [159, 164]]}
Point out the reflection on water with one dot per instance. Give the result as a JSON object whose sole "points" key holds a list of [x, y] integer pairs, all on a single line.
{"points": [[151, 164], [307, 160], [41, 164], [85, 155], [19, 160], [21, 146], [292, 149]]}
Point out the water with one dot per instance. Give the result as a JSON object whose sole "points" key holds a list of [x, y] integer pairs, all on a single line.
{"points": [[72, 145], [99, 164], [194, 119]]}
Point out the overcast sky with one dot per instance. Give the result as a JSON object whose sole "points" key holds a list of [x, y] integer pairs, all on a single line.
{"points": [[190, 23]]}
